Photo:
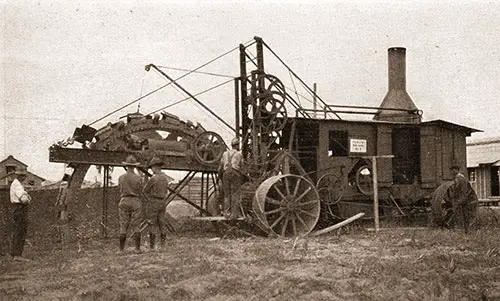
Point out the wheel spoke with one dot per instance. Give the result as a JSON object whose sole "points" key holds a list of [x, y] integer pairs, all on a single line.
{"points": [[306, 213], [279, 192], [307, 203], [297, 185], [283, 229], [303, 194], [294, 226], [273, 211], [272, 201], [300, 219], [287, 186], [277, 220]]}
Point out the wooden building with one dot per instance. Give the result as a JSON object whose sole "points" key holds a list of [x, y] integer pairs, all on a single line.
{"points": [[423, 152], [10, 165], [483, 166]]}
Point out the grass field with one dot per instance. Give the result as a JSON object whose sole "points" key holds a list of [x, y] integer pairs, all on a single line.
{"points": [[351, 264]]}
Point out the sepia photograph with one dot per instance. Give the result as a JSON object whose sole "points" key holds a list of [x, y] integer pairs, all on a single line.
{"points": [[249, 150]]}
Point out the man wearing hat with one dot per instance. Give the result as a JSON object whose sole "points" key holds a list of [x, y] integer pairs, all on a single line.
{"points": [[156, 189], [129, 208], [230, 169], [461, 190], [20, 200]]}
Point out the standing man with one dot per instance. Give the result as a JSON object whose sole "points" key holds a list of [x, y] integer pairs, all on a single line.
{"points": [[20, 200], [129, 208], [230, 170], [461, 190], [156, 189]]}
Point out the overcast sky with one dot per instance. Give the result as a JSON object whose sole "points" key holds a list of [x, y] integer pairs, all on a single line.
{"points": [[68, 63]]}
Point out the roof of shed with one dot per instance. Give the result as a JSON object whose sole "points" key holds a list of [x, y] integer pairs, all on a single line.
{"points": [[483, 152]]}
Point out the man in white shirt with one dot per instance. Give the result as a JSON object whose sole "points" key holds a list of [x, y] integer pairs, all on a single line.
{"points": [[230, 170], [20, 200]]}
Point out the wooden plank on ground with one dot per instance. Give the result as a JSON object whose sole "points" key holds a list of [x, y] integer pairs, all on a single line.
{"points": [[396, 228], [215, 218], [336, 226]]}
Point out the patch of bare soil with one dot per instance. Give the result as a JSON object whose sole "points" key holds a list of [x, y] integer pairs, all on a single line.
{"points": [[398, 264]]}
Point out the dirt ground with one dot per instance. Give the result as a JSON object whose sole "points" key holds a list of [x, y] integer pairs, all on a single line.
{"points": [[351, 264]]}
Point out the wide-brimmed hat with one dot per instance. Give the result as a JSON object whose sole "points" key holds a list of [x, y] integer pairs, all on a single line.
{"points": [[130, 161], [155, 162]]}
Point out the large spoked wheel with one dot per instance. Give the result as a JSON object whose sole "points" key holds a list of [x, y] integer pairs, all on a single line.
{"points": [[442, 206], [286, 163], [330, 188], [208, 147], [287, 205], [445, 212], [364, 180]]}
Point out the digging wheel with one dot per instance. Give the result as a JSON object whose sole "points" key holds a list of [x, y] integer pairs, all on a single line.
{"points": [[208, 147], [287, 205]]}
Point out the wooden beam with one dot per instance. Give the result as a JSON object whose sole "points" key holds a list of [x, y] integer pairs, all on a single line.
{"points": [[338, 225], [173, 160]]}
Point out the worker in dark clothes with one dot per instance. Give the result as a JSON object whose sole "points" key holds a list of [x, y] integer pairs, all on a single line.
{"points": [[20, 200], [130, 205], [156, 189], [461, 192], [232, 177]]}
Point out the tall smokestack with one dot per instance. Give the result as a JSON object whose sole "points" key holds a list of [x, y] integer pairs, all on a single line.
{"points": [[397, 97]]}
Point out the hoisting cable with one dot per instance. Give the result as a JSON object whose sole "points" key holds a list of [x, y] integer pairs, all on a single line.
{"points": [[295, 88], [251, 59], [296, 76], [199, 72], [187, 98], [167, 84], [301, 95], [191, 95]]}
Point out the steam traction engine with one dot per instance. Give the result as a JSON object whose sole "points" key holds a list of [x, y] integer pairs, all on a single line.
{"points": [[313, 166]]}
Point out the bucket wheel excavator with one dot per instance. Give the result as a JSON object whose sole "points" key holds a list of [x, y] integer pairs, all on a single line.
{"points": [[278, 197]]}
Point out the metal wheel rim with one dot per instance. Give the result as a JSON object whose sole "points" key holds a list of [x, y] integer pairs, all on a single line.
{"points": [[287, 205]]}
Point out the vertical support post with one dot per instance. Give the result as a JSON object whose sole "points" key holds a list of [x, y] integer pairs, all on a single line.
{"points": [[244, 102], [260, 139], [256, 120], [104, 215], [260, 56], [207, 178], [237, 107], [315, 101], [202, 190], [375, 193]]}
